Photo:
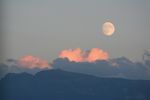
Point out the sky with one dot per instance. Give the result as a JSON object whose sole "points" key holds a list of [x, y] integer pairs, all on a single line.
{"points": [[45, 27]]}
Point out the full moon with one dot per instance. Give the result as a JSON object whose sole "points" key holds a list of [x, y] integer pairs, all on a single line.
{"points": [[108, 28]]}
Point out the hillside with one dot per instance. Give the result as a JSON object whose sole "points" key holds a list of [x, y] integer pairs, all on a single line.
{"points": [[62, 85]]}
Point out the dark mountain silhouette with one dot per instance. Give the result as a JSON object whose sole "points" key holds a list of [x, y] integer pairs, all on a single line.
{"points": [[120, 67], [62, 85], [11, 68], [3, 70]]}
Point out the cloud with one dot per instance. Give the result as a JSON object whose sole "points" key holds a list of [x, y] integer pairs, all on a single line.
{"points": [[97, 54], [28, 63], [32, 62], [116, 68], [146, 58], [94, 62], [77, 55], [72, 54]]}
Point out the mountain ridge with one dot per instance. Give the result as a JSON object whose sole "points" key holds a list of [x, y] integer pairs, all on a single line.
{"points": [[63, 85]]}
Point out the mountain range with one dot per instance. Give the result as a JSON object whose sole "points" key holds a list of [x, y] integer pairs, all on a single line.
{"points": [[63, 85]]}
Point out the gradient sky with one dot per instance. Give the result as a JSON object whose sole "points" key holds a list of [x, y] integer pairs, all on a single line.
{"points": [[45, 27]]}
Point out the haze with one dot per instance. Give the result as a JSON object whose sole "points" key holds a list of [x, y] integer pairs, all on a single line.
{"points": [[45, 27]]}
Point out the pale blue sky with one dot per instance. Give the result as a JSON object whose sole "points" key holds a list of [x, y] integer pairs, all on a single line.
{"points": [[45, 27]]}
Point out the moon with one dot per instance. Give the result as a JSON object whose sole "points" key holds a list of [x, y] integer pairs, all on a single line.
{"points": [[108, 28]]}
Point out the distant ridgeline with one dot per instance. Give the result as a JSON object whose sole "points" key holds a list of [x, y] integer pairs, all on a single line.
{"points": [[117, 68], [62, 85], [112, 68]]}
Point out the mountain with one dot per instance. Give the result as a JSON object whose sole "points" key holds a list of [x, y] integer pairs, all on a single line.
{"points": [[120, 67], [63, 85], [3, 70], [11, 68]]}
